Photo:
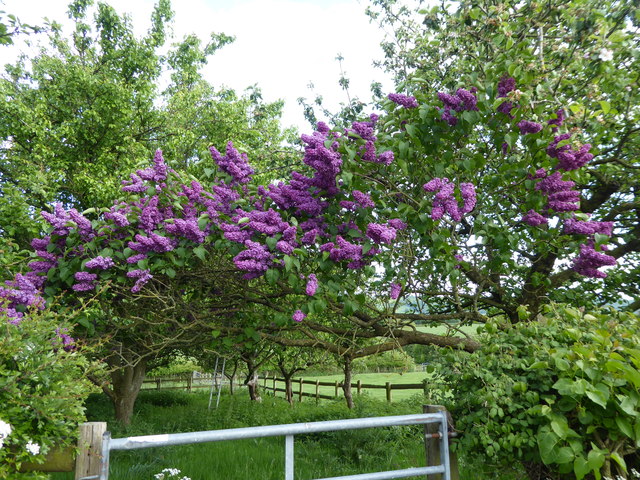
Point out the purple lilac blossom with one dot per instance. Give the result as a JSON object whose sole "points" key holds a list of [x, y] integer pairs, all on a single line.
{"points": [[298, 316], [363, 199], [558, 121], [100, 262], [444, 200], [136, 258], [403, 100], [526, 127], [234, 163], [588, 227], [188, 229], [506, 85], [396, 288], [312, 285], [255, 260], [589, 260], [142, 276], [158, 172], [397, 224], [568, 159], [58, 220], [381, 233], [534, 219], [462, 100], [64, 340]]}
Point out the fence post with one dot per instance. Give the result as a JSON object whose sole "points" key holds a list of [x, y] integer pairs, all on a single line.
{"points": [[89, 456], [336, 393], [301, 389], [388, 388], [189, 384], [158, 384], [359, 387], [264, 384], [317, 390], [432, 446]]}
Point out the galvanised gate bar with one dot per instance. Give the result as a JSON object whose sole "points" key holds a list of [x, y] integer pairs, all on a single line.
{"points": [[288, 431]]}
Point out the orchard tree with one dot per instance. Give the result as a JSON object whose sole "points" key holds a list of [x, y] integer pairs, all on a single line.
{"points": [[81, 114]]}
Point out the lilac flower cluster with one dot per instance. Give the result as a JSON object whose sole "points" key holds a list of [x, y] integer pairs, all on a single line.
{"points": [[589, 260], [255, 260], [534, 219], [367, 152], [445, 202], [506, 85], [381, 233], [396, 288], [152, 243], [100, 262], [85, 281], [61, 221], [558, 121], [588, 227], [233, 163], [462, 100], [22, 291], [403, 100], [362, 199], [527, 127], [299, 316], [141, 276], [343, 250], [312, 285], [569, 159], [560, 194], [64, 340], [137, 182]]}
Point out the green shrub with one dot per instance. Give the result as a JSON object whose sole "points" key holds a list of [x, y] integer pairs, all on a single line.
{"points": [[560, 392], [42, 390]]}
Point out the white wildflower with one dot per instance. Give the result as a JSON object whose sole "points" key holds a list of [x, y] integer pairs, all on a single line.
{"points": [[33, 448], [606, 55], [5, 429]]}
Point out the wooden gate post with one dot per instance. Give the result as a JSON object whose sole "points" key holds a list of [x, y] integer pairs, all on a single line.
{"points": [[359, 387], [89, 449], [317, 390], [336, 392], [388, 387], [432, 446]]}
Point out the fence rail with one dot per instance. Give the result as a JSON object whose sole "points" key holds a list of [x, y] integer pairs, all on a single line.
{"points": [[269, 383], [274, 384]]}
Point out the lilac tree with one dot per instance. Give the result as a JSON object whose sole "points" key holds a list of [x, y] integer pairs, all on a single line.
{"points": [[440, 210]]}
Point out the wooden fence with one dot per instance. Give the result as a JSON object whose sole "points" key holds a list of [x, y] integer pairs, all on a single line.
{"points": [[276, 385], [269, 383], [187, 382]]}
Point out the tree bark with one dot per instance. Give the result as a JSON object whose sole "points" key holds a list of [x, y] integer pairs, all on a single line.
{"points": [[346, 385], [126, 381], [253, 387]]}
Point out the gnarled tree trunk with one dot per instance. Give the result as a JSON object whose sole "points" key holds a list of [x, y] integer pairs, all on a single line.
{"points": [[126, 379], [346, 385]]}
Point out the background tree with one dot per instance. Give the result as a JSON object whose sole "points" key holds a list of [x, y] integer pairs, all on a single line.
{"points": [[582, 58]]}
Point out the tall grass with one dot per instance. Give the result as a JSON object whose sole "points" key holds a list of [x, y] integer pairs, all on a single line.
{"points": [[317, 455]]}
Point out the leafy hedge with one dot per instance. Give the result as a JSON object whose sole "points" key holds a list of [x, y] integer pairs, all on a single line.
{"points": [[42, 390], [560, 393]]}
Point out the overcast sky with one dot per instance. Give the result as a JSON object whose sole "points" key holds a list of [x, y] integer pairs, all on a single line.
{"points": [[281, 45]]}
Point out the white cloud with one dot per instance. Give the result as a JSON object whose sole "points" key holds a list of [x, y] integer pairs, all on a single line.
{"points": [[281, 45]]}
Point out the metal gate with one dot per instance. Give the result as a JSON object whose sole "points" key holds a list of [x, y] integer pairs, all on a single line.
{"points": [[289, 431]]}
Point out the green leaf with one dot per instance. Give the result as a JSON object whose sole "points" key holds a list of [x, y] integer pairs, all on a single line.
{"points": [[616, 457], [581, 467], [200, 252], [625, 426], [599, 394], [547, 443]]}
